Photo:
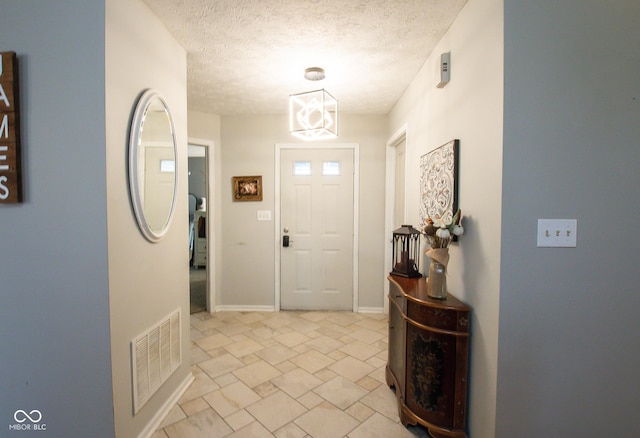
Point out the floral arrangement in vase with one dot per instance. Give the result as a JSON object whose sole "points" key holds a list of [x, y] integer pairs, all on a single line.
{"points": [[439, 234]]}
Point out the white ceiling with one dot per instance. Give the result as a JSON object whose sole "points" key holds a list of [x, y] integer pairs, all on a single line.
{"points": [[247, 56]]}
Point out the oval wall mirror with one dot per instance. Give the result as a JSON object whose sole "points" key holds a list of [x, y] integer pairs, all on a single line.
{"points": [[152, 165]]}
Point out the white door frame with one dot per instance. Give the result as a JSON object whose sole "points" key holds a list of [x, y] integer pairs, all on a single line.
{"points": [[390, 191], [211, 220], [356, 202]]}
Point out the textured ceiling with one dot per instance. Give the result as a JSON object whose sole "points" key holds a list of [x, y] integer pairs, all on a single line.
{"points": [[247, 56]]}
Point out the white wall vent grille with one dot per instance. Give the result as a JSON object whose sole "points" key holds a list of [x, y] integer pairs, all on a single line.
{"points": [[155, 355]]}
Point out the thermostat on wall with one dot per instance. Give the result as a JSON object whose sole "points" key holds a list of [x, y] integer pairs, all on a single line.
{"points": [[445, 69]]}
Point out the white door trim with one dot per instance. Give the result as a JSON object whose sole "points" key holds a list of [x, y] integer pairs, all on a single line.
{"points": [[390, 182], [356, 202], [211, 220]]}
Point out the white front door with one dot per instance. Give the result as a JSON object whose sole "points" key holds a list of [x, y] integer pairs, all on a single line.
{"points": [[316, 217]]}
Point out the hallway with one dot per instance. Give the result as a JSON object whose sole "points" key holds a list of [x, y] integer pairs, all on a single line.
{"points": [[287, 374]]}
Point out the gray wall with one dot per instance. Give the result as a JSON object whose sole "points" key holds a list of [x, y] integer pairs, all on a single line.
{"points": [[569, 344], [77, 279], [54, 296]]}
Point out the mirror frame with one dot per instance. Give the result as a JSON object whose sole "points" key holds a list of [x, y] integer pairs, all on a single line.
{"points": [[137, 123]]}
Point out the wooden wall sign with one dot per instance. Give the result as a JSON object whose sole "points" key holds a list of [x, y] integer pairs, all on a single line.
{"points": [[10, 163]]}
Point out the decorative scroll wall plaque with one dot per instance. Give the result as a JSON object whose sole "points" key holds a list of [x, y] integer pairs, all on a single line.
{"points": [[439, 182]]}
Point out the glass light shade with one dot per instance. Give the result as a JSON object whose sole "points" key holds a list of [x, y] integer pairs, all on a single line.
{"points": [[313, 115]]}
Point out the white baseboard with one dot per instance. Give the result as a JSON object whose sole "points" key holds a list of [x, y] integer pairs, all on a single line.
{"points": [[232, 308], [166, 407], [370, 310]]}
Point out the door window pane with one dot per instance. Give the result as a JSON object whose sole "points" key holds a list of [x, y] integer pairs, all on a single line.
{"points": [[167, 166], [331, 168], [302, 168]]}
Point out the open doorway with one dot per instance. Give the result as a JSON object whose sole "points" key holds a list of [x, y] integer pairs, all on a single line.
{"points": [[199, 235], [395, 203]]}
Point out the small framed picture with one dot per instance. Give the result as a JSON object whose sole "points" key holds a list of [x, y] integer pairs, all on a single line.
{"points": [[247, 188]]}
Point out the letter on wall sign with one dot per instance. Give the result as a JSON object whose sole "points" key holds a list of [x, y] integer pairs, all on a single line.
{"points": [[10, 162]]}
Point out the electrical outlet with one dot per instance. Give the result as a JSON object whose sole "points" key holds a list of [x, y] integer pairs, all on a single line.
{"points": [[264, 215], [557, 233]]}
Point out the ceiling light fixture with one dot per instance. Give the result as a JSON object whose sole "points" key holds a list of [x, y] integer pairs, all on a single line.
{"points": [[313, 115]]}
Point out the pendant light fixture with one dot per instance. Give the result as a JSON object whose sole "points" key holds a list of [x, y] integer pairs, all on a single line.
{"points": [[313, 115]]}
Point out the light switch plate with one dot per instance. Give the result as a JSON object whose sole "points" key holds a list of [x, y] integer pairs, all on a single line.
{"points": [[562, 233], [264, 215]]}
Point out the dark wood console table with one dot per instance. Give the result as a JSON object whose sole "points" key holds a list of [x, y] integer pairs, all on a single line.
{"points": [[428, 357]]}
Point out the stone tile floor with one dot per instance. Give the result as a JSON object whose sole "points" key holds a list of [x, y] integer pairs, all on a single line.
{"points": [[287, 374]]}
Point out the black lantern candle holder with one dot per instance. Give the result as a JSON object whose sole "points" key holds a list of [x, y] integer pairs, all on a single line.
{"points": [[406, 247]]}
